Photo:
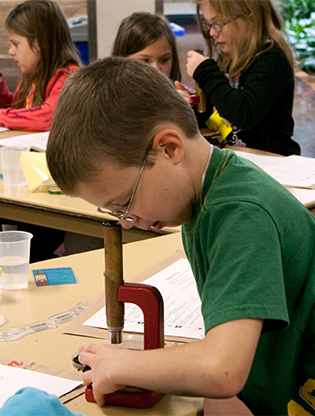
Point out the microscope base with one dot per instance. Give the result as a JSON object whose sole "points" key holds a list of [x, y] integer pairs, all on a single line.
{"points": [[128, 397]]}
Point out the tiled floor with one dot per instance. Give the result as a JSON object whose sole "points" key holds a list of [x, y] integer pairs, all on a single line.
{"points": [[304, 105]]}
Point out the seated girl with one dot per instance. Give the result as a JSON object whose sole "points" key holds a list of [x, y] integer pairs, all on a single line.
{"points": [[42, 47]]}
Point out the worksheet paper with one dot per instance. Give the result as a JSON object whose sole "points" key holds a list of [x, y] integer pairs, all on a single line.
{"points": [[13, 379], [36, 141], [182, 305], [291, 171], [3, 129]]}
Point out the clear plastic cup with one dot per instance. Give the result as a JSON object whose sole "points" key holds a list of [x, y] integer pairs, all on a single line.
{"points": [[11, 167], [2, 319], [14, 259]]}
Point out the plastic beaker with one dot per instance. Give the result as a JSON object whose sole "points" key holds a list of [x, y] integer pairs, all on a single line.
{"points": [[11, 167], [14, 259]]}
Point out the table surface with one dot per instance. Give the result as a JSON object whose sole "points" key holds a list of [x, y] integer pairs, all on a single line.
{"points": [[79, 209], [60, 211], [52, 347]]}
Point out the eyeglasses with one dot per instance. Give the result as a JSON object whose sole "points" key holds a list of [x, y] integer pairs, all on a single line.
{"points": [[217, 27], [121, 214]]}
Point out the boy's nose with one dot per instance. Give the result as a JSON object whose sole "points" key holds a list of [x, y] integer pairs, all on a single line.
{"points": [[127, 223]]}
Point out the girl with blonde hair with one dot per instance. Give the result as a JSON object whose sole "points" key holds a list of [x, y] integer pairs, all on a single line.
{"points": [[249, 73]]}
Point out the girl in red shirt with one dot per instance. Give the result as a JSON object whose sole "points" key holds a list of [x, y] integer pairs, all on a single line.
{"points": [[42, 47]]}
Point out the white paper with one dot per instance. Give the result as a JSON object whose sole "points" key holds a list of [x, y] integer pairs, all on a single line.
{"points": [[3, 129], [182, 305], [291, 171], [35, 140], [294, 171], [260, 160], [13, 379]]}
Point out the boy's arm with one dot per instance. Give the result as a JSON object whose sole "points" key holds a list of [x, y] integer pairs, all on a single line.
{"points": [[222, 407], [216, 367]]}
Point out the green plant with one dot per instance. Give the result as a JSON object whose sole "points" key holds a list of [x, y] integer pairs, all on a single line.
{"points": [[299, 21]]}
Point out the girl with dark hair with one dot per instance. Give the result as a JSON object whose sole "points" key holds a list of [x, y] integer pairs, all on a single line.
{"points": [[42, 47], [149, 38]]}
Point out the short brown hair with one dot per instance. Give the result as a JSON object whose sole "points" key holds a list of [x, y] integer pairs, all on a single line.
{"points": [[107, 112]]}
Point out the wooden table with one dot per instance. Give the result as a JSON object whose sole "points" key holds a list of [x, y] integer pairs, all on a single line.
{"points": [[75, 215], [63, 213], [52, 347], [60, 211], [12, 133]]}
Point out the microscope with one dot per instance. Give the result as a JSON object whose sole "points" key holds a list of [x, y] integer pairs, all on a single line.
{"points": [[117, 293]]}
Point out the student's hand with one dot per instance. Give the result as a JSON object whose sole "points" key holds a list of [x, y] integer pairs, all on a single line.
{"points": [[183, 91], [101, 359], [194, 59]]}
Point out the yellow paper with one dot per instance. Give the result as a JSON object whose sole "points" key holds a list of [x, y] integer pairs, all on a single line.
{"points": [[35, 168]]}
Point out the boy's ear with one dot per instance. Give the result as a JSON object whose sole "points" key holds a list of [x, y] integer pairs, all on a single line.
{"points": [[170, 142]]}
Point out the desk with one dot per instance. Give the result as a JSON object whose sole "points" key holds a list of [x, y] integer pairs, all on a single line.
{"points": [[60, 211], [77, 216], [63, 213], [12, 133], [54, 348]]}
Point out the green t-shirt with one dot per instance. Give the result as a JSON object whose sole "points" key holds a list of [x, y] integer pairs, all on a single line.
{"points": [[251, 246]]}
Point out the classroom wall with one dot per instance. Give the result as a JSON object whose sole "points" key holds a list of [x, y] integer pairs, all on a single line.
{"points": [[109, 14]]}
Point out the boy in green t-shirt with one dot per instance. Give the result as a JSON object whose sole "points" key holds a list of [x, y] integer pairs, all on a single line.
{"points": [[125, 140]]}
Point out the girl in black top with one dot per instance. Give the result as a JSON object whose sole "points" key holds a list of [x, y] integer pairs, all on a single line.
{"points": [[249, 74]]}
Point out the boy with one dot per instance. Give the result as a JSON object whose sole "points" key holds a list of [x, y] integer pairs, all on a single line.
{"points": [[125, 140]]}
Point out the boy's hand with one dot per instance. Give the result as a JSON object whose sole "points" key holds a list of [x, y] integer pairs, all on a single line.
{"points": [[101, 359], [183, 91], [194, 59], [216, 366]]}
